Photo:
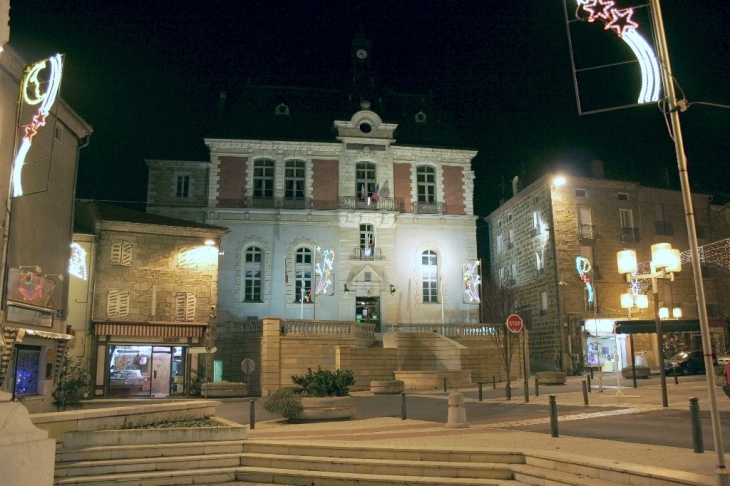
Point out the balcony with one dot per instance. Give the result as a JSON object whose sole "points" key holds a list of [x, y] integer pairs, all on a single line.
{"points": [[259, 202], [367, 254], [419, 207], [586, 231], [383, 204], [629, 234], [663, 228]]}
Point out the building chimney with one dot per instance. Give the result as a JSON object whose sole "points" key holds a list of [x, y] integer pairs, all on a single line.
{"points": [[597, 169], [515, 185]]}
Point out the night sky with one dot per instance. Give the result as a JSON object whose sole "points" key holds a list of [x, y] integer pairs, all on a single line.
{"points": [[147, 75]]}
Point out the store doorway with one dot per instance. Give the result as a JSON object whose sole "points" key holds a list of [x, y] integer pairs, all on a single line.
{"points": [[367, 311]]}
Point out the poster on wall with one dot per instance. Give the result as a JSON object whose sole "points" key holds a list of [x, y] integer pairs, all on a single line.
{"points": [[30, 288]]}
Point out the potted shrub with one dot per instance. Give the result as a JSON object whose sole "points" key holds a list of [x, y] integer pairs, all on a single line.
{"points": [[319, 395]]}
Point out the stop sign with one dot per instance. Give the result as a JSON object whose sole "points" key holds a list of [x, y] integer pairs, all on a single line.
{"points": [[515, 323]]}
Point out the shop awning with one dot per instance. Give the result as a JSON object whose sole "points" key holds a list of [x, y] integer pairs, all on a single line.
{"points": [[649, 327], [150, 328]]}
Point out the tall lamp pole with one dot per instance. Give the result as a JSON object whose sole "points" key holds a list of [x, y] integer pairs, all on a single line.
{"points": [[721, 474]]}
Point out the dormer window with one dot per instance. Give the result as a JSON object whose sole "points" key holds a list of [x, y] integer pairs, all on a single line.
{"points": [[420, 117], [282, 109]]}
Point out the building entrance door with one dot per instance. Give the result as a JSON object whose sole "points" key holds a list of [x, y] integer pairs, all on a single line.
{"points": [[161, 364], [367, 311]]}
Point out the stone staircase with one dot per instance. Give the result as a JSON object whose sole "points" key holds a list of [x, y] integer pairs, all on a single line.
{"points": [[247, 462]]}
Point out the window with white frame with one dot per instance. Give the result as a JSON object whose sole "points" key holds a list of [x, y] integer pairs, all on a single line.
{"points": [[513, 273], [500, 244], [365, 179], [543, 303], [263, 178], [304, 271], [536, 223], [294, 173], [540, 261], [121, 253], [627, 218], [510, 238], [580, 193], [185, 306], [182, 185], [429, 276], [117, 304], [367, 240], [426, 177], [253, 263], [500, 274]]}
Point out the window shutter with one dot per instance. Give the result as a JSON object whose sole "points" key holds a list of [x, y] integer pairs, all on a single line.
{"points": [[126, 254], [123, 304], [112, 304], [116, 252], [180, 306], [190, 307]]}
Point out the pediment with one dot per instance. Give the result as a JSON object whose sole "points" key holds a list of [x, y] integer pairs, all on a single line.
{"points": [[360, 275]]}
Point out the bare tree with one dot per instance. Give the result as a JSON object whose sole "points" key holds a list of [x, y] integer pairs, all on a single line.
{"points": [[498, 302]]}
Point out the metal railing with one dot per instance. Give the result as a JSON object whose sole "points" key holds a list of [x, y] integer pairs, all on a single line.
{"points": [[663, 228], [367, 254], [447, 330], [586, 231], [420, 207], [382, 204], [259, 202], [629, 234]]}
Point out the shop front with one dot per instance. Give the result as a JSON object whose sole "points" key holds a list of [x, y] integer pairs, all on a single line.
{"points": [[604, 350], [145, 359]]}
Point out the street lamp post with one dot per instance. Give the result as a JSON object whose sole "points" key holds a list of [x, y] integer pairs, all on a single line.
{"points": [[665, 262], [628, 301]]}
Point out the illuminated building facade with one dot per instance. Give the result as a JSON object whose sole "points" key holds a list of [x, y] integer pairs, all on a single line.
{"points": [[143, 292], [335, 212], [39, 151], [556, 245]]}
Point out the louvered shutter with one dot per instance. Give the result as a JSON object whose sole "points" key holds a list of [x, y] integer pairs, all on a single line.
{"points": [[126, 254], [116, 252], [180, 306], [112, 304], [123, 304], [190, 307]]}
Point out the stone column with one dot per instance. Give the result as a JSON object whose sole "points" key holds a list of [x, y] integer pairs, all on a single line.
{"points": [[271, 356], [27, 455]]}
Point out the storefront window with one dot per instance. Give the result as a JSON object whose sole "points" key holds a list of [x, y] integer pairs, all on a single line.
{"points": [[129, 370], [26, 370]]}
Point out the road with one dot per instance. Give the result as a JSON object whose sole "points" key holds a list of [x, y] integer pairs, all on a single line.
{"points": [[668, 427]]}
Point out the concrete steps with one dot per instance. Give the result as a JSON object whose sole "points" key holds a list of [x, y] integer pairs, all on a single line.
{"points": [[248, 462]]}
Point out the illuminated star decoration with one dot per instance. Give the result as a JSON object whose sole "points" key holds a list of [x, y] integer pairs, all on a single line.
{"points": [[472, 281], [584, 267], [324, 270], [34, 95], [620, 21]]}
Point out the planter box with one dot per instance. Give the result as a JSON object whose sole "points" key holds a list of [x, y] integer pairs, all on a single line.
{"points": [[641, 372], [550, 378], [387, 387], [325, 408], [223, 389]]}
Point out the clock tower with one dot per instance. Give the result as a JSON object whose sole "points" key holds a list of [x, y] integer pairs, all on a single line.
{"points": [[362, 79]]}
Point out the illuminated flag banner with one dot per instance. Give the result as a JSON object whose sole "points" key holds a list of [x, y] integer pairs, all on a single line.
{"points": [[614, 66], [470, 272], [38, 93], [323, 272]]}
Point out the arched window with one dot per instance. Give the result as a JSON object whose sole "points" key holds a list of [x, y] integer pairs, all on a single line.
{"points": [[294, 172], [253, 263], [365, 179], [304, 272], [263, 178], [426, 177], [429, 276]]}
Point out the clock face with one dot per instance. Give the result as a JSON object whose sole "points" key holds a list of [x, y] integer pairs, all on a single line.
{"points": [[361, 53]]}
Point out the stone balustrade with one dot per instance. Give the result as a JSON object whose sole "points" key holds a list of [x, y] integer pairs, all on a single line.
{"points": [[327, 328], [447, 330]]}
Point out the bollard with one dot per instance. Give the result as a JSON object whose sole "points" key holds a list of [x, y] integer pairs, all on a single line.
{"points": [[480, 391], [676, 380], [457, 412], [585, 393], [694, 413], [494, 382], [591, 372], [590, 389], [537, 389], [403, 406], [553, 417], [444, 383], [252, 414]]}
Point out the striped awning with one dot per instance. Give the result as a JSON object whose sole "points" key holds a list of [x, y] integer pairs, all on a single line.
{"points": [[150, 329]]}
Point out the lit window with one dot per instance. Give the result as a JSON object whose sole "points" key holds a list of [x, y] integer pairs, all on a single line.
{"points": [[540, 262], [429, 276], [365, 179], [182, 186], [426, 177], [304, 272], [263, 178], [252, 281], [294, 173], [27, 365]]}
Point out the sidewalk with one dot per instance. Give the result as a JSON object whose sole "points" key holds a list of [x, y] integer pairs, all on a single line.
{"points": [[390, 431]]}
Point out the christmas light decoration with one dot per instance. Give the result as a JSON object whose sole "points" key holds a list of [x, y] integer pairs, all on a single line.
{"points": [[33, 94], [77, 263], [472, 281], [621, 22], [324, 270], [583, 265]]}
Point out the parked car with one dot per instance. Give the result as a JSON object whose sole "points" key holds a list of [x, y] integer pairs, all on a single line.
{"points": [[724, 358], [686, 363]]}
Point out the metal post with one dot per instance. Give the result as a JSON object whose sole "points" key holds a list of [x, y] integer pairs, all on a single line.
{"points": [[494, 382], [721, 473], [694, 413], [537, 388], [553, 416], [403, 406], [633, 358], [480, 391], [585, 393], [676, 380], [444, 383], [525, 378], [252, 413], [590, 388], [660, 343]]}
